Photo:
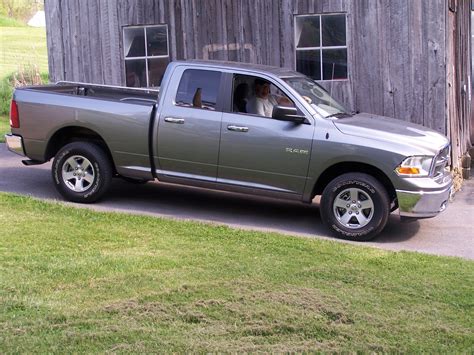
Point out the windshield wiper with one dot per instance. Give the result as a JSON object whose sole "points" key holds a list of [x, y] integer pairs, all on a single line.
{"points": [[339, 115]]}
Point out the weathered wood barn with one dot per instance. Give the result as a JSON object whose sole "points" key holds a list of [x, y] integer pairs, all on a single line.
{"points": [[405, 59]]}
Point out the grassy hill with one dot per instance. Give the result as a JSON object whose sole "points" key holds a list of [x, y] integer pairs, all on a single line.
{"points": [[20, 47]]}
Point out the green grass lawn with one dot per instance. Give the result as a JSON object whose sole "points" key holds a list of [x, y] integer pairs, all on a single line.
{"points": [[4, 127], [21, 46], [73, 280]]}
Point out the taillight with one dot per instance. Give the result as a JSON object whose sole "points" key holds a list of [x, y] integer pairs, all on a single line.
{"points": [[14, 117]]}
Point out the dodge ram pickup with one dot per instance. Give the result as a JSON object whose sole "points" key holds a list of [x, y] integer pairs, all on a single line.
{"points": [[238, 127]]}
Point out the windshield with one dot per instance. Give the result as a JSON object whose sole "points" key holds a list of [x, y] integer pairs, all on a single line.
{"points": [[318, 97]]}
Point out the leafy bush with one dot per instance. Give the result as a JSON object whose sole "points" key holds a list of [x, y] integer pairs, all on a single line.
{"points": [[9, 22], [20, 10], [28, 75], [6, 91]]}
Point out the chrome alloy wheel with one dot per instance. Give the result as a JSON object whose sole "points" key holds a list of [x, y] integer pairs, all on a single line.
{"points": [[353, 208], [78, 173]]}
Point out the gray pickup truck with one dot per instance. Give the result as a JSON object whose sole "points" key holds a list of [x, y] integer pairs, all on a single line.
{"points": [[237, 127]]}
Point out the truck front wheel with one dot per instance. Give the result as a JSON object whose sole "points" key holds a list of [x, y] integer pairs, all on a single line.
{"points": [[82, 172], [355, 206]]}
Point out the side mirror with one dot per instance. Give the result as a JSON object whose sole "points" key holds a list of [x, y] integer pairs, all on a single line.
{"points": [[284, 113]]}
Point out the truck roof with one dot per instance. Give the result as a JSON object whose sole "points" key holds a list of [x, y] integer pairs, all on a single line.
{"points": [[257, 68]]}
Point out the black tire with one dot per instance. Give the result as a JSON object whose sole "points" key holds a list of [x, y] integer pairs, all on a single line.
{"points": [[361, 220], [82, 172]]}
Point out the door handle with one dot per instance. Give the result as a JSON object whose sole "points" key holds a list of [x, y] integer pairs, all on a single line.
{"points": [[174, 120], [237, 128]]}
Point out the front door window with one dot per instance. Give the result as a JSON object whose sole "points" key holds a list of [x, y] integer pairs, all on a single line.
{"points": [[256, 96]]}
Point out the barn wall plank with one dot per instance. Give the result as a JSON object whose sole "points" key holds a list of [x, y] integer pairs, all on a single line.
{"points": [[398, 51], [73, 13], [417, 70], [67, 43], [464, 69], [96, 68], [116, 48], [459, 97], [435, 42], [287, 46], [84, 42], [365, 57], [54, 34], [105, 42]]}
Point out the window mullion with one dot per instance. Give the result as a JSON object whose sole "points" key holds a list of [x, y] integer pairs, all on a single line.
{"points": [[149, 57], [146, 58]]}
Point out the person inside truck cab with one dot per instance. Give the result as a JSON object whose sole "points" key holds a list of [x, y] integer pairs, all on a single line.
{"points": [[263, 101], [240, 98]]}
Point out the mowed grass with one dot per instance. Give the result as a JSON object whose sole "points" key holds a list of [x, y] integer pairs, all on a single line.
{"points": [[21, 47], [73, 280], [4, 127]]}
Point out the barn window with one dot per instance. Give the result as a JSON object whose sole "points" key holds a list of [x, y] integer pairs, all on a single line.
{"points": [[146, 54], [321, 46]]}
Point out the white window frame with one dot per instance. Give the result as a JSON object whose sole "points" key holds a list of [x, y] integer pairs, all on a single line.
{"points": [[146, 57], [321, 47]]}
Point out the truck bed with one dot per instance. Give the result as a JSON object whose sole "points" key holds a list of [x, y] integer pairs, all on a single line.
{"points": [[119, 115], [139, 96]]}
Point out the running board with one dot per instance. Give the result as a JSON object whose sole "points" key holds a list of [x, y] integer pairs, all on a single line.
{"points": [[28, 162]]}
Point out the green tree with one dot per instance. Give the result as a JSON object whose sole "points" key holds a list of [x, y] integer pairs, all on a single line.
{"points": [[20, 9]]}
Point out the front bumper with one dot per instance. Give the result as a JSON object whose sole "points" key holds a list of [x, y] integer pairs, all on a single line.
{"points": [[424, 204], [15, 144]]}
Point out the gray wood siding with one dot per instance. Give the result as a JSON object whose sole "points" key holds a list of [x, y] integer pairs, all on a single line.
{"points": [[396, 48], [460, 115]]}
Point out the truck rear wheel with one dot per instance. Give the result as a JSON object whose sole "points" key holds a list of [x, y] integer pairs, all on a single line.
{"points": [[355, 206], [82, 172]]}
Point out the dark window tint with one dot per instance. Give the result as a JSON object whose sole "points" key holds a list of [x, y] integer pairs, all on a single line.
{"points": [[334, 30], [156, 70], [334, 64], [135, 71], [157, 41], [309, 63], [199, 88], [307, 32], [134, 42]]}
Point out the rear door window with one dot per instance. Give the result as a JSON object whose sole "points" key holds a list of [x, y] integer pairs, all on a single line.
{"points": [[199, 89]]}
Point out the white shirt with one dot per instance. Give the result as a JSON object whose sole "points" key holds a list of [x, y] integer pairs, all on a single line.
{"points": [[260, 106]]}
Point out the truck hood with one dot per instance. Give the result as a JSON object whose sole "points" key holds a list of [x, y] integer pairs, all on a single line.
{"points": [[424, 141]]}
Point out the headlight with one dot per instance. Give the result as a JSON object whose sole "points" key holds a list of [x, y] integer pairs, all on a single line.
{"points": [[415, 167]]}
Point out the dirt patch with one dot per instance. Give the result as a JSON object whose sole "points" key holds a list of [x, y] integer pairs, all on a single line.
{"points": [[156, 310], [307, 301], [280, 319], [208, 303], [135, 309], [126, 348]]}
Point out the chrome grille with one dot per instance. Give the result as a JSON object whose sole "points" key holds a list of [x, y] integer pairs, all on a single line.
{"points": [[442, 162]]}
